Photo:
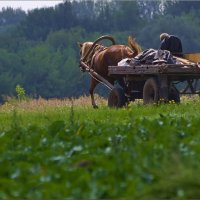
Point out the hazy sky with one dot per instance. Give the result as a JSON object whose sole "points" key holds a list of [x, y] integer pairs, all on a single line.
{"points": [[28, 4]]}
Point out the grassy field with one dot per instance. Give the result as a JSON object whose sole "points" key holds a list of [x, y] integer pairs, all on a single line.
{"points": [[68, 150]]}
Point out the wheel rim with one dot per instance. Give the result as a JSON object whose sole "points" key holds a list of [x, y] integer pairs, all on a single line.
{"points": [[150, 91], [117, 98], [114, 100], [151, 95]]}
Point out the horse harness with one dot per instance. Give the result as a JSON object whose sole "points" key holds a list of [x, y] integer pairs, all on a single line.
{"points": [[95, 52]]}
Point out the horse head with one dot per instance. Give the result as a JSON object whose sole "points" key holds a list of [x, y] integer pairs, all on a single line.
{"points": [[84, 49], [87, 51]]}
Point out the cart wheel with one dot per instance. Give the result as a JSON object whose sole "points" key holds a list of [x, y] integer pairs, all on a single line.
{"points": [[174, 95], [150, 91], [117, 98]]}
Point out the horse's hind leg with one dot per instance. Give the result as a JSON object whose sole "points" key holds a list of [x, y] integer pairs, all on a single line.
{"points": [[123, 84], [93, 84]]}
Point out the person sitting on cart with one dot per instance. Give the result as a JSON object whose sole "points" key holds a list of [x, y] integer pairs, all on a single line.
{"points": [[171, 43]]}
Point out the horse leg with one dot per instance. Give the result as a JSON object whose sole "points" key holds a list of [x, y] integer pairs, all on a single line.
{"points": [[93, 84]]}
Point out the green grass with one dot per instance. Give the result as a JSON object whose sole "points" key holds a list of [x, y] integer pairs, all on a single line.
{"points": [[74, 152]]}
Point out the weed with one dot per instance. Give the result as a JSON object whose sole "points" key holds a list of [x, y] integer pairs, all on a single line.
{"points": [[20, 92]]}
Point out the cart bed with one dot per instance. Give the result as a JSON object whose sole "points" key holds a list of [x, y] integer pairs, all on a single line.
{"points": [[167, 69]]}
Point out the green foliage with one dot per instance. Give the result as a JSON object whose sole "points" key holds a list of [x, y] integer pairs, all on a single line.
{"points": [[58, 40], [142, 152], [9, 18], [39, 49]]}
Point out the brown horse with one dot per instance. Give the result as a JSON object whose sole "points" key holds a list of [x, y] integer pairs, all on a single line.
{"points": [[101, 57]]}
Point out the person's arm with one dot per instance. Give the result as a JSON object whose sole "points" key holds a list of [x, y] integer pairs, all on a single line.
{"points": [[163, 45]]}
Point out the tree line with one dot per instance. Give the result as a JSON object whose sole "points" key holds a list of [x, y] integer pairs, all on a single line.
{"points": [[39, 50]]}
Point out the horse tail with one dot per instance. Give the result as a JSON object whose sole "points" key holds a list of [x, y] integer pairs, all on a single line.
{"points": [[134, 46]]}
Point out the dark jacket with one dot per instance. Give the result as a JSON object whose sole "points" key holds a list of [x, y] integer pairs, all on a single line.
{"points": [[172, 44]]}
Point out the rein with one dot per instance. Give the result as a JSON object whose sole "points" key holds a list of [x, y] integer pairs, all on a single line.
{"points": [[99, 49], [108, 37], [95, 51]]}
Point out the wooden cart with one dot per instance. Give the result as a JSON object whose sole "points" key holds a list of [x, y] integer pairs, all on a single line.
{"points": [[153, 83]]}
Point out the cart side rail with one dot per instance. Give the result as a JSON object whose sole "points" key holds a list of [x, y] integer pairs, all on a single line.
{"points": [[190, 69]]}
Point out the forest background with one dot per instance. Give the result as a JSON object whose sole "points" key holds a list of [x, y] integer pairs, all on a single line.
{"points": [[39, 51]]}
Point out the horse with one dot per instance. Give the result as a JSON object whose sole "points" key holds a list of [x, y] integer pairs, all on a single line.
{"points": [[101, 57]]}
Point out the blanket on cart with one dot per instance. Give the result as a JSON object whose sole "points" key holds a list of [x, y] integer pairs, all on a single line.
{"points": [[150, 56]]}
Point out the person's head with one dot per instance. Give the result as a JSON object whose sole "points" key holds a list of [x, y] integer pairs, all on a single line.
{"points": [[163, 36]]}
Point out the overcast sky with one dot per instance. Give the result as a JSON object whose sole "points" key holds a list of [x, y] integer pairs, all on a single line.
{"points": [[28, 4]]}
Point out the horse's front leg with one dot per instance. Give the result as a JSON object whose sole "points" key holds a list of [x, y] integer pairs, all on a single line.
{"points": [[93, 84]]}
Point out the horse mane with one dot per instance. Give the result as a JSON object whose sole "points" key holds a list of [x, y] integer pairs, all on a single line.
{"points": [[134, 45]]}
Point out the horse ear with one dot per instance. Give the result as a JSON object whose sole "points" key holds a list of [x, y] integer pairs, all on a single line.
{"points": [[80, 44]]}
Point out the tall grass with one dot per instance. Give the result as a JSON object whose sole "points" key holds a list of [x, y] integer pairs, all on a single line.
{"points": [[67, 150]]}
